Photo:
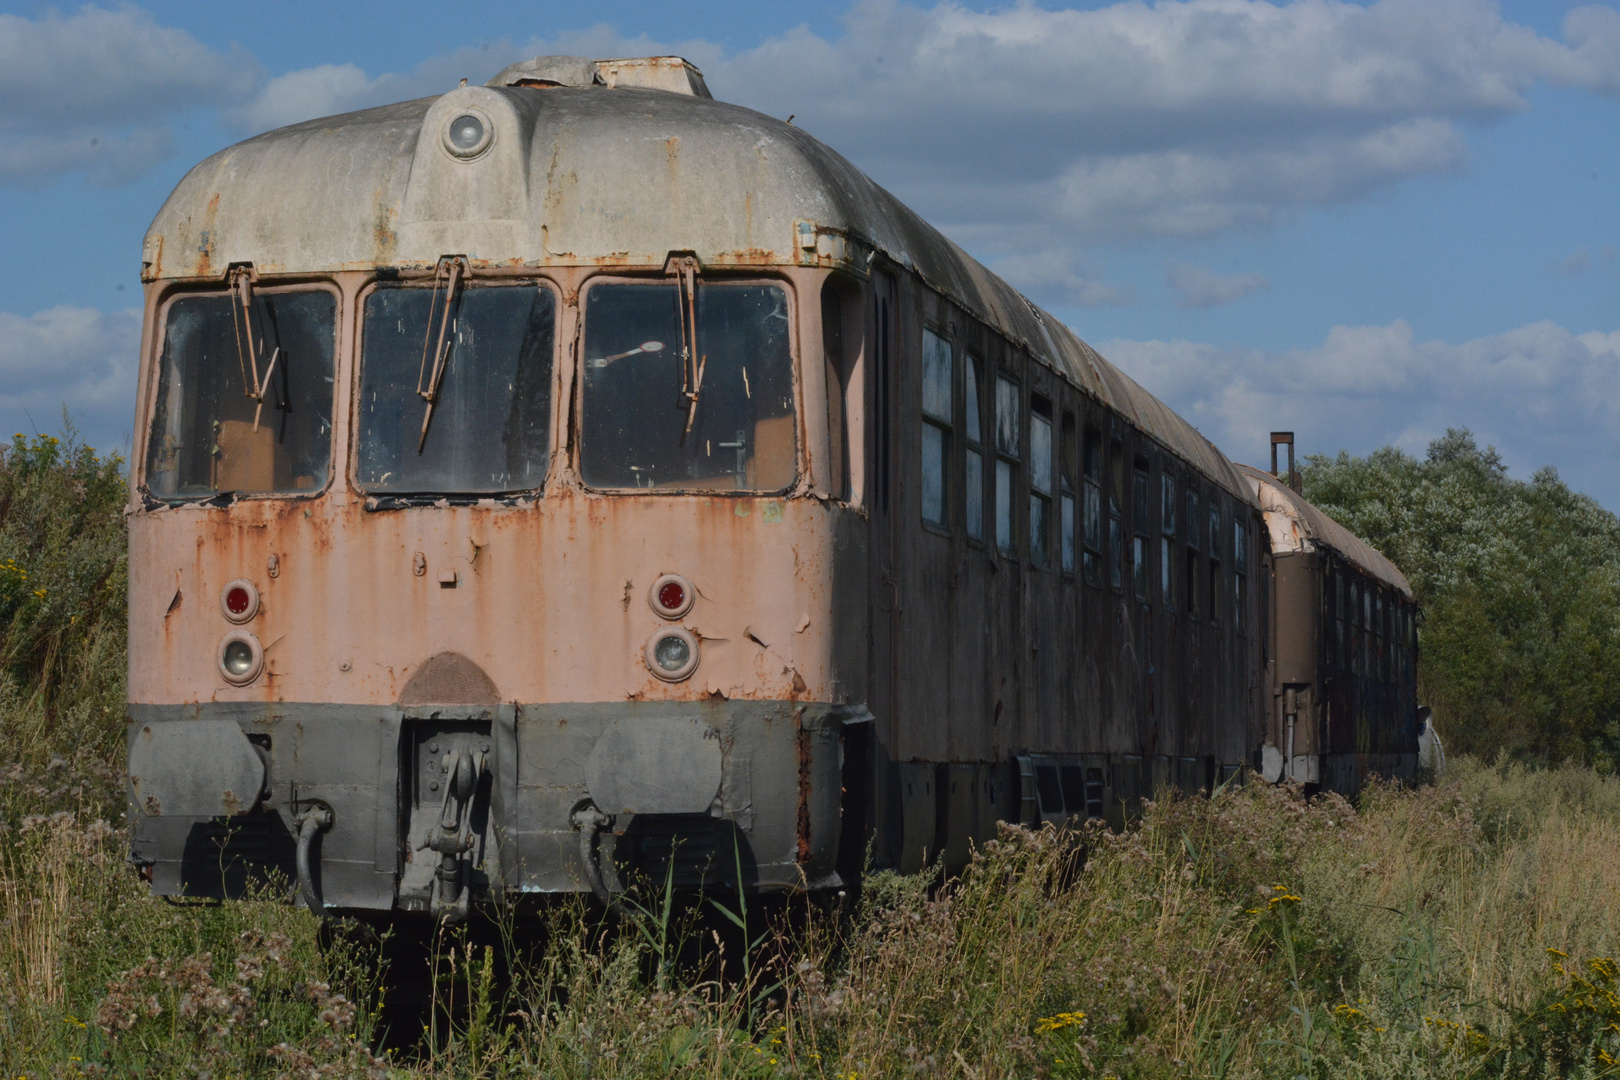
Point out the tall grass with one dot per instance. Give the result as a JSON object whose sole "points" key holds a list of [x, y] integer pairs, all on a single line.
{"points": [[1462, 929]]}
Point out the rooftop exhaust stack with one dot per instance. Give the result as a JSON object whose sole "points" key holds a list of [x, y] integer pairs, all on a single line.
{"points": [[1285, 438]]}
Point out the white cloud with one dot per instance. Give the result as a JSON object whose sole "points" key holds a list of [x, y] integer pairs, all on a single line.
{"points": [[1175, 118], [1062, 277], [1197, 287], [70, 357], [99, 89], [1540, 393]]}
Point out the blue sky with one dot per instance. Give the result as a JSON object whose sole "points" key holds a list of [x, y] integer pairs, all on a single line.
{"points": [[1366, 222]]}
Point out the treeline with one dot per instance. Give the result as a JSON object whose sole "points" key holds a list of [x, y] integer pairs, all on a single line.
{"points": [[1519, 582]]}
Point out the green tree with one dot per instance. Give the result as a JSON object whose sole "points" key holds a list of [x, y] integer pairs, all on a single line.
{"points": [[1519, 582]]}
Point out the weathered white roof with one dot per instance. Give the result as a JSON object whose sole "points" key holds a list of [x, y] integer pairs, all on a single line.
{"points": [[594, 174], [1297, 525]]}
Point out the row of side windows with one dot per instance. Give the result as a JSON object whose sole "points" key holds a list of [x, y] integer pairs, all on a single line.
{"points": [[1091, 536]]}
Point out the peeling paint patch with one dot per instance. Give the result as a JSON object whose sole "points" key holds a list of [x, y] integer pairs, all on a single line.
{"points": [[773, 513]]}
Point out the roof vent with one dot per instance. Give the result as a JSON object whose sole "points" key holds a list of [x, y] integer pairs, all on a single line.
{"points": [[670, 73], [549, 71]]}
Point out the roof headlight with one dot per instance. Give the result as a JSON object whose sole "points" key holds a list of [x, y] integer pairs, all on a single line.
{"points": [[241, 658], [468, 134], [672, 653]]}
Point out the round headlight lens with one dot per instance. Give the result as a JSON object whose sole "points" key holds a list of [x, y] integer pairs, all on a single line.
{"points": [[672, 653], [238, 658], [466, 132]]}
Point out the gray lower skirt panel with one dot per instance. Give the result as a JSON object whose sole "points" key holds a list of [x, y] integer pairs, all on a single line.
{"points": [[716, 790]]}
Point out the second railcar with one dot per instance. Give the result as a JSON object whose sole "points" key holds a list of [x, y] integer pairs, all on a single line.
{"points": [[1343, 694]]}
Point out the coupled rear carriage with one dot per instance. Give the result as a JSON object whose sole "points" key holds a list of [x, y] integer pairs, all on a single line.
{"points": [[552, 480]]}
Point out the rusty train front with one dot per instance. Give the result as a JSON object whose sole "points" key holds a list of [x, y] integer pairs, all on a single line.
{"points": [[575, 479]]}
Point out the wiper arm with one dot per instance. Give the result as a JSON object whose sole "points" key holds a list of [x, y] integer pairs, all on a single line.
{"points": [[450, 270], [644, 347], [685, 270], [241, 285]]}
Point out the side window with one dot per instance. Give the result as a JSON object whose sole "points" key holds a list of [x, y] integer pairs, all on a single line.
{"points": [[1240, 567], [1007, 439], [1215, 578], [1139, 522], [973, 472], [1071, 470], [1040, 481], [1092, 507], [936, 427], [1378, 626], [1116, 511], [832, 349], [1191, 585], [1167, 540]]}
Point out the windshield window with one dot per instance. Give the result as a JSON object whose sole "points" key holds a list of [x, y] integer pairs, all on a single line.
{"points": [[635, 415], [491, 426], [210, 434]]}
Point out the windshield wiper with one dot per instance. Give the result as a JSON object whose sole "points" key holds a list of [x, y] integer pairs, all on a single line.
{"points": [[685, 269], [240, 279], [451, 269]]}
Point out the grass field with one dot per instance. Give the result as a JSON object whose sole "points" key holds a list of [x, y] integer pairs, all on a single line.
{"points": [[1458, 929]]}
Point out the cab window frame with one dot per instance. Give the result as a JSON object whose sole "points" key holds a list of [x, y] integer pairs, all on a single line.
{"points": [[153, 355], [558, 445], [571, 442]]}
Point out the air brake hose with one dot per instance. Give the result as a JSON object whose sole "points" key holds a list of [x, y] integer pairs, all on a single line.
{"points": [[590, 821], [316, 819]]}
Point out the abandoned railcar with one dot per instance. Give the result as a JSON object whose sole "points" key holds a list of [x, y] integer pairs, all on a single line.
{"points": [[573, 477], [1343, 636]]}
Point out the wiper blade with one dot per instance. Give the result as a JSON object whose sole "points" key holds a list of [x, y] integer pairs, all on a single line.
{"points": [[254, 385], [450, 270]]}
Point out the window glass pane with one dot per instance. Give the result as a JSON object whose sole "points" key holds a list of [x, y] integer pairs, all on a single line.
{"points": [[1139, 502], [1215, 579], [1116, 548], [1191, 584], [1168, 507], [634, 417], [1007, 409], [936, 376], [1214, 532], [1237, 601], [1040, 530], [1068, 534], [1093, 521], [1116, 490], [1192, 519], [1040, 453], [1005, 476], [491, 424], [203, 440], [832, 338], [971, 389], [1139, 567], [1240, 544], [933, 474], [1167, 595], [973, 506]]}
